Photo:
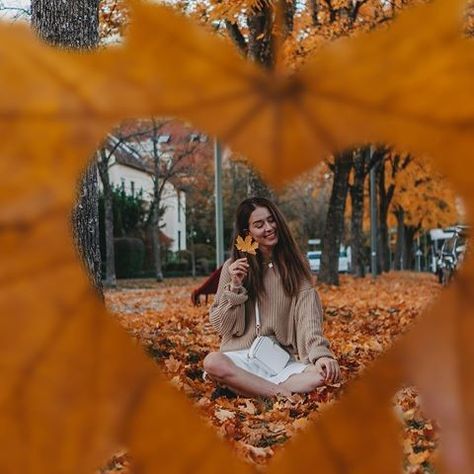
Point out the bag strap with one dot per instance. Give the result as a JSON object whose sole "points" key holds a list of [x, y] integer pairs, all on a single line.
{"points": [[257, 319]]}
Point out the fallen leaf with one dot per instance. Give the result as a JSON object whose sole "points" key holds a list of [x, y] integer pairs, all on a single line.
{"points": [[418, 458], [223, 415], [249, 408], [172, 364]]}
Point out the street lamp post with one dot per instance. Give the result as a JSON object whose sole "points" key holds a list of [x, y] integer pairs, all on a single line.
{"points": [[373, 218], [218, 204], [418, 254]]}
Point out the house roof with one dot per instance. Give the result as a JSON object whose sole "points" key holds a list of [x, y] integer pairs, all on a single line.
{"points": [[171, 132], [172, 135], [126, 155]]}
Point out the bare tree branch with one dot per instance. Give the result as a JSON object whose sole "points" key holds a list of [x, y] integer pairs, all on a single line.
{"points": [[314, 6], [237, 37], [289, 10], [356, 8], [14, 13], [332, 11]]}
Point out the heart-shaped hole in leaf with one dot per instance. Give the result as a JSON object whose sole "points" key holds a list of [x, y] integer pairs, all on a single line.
{"points": [[363, 316]]}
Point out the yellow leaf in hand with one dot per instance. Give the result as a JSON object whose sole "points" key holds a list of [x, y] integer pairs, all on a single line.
{"points": [[247, 245]]}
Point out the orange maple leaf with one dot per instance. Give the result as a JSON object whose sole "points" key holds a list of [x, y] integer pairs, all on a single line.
{"points": [[281, 124], [247, 245]]}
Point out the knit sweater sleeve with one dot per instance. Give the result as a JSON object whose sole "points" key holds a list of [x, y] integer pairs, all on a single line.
{"points": [[227, 313], [309, 321]]}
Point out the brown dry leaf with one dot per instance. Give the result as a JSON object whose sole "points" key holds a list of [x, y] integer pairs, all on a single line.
{"points": [[223, 415], [249, 408], [418, 458], [69, 373], [408, 85], [376, 87], [65, 363], [358, 435], [73, 386], [439, 358], [172, 364], [165, 434]]}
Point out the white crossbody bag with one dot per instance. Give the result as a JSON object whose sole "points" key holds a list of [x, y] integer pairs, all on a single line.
{"points": [[266, 351]]}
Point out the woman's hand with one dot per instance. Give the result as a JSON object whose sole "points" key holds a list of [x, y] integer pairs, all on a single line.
{"points": [[238, 271], [329, 369]]}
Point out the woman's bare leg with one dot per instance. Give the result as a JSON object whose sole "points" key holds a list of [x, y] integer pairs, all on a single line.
{"points": [[221, 369], [304, 382]]}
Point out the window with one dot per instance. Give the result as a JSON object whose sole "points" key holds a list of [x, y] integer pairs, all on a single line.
{"points": [[164, 138], [122, 184], [179, 206], [132, 187], [197, 138], [179, 240]]}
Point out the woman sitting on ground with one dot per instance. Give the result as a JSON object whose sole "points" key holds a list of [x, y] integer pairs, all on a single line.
{"points": [[278, 276]]}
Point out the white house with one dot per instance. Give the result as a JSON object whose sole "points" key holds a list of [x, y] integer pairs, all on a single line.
{"points": [[128, 170]]}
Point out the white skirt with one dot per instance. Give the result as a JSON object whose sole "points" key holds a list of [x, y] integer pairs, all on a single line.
{"points": [[240, 359]]}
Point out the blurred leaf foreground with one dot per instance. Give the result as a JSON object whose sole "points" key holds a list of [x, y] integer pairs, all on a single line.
{"points": [[74, 385]]}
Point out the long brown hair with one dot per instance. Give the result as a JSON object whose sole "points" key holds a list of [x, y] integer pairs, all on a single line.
{"points": [[287, 257]]}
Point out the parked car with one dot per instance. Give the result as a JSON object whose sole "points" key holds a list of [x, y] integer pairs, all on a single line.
{"points": [[452, 254], [314, 258], [344, 260], [344, 266], [437, 238]]}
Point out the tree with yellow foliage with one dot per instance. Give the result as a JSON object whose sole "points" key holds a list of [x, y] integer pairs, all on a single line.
{"points": [[387, 172], [423, 199]]}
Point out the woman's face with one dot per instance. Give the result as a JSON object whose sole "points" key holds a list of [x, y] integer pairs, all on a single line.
{"points": [[263, 228]]}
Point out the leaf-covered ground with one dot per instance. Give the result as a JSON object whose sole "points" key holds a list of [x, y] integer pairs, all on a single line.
{"points": [[363, 318]]}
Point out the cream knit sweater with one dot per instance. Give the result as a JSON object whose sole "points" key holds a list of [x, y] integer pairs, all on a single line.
{"points": [[295, 322]]}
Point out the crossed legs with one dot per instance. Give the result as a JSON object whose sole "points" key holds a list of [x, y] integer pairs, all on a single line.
{"points": [[221, 369]]}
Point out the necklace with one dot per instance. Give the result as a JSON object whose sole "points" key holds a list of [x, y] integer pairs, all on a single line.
{"points": [[268, 263]]}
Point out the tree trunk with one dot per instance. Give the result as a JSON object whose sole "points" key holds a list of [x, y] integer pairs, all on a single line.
{"points": [[357, 218], [85, 225], [75, 25], [383, 243], [110, 278], [410, 232], [193, 257], [103, 167], [335, 221], [315, 7], [400, 251], [260, 49], [384, 204], [260, 24], [155, 220]]}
